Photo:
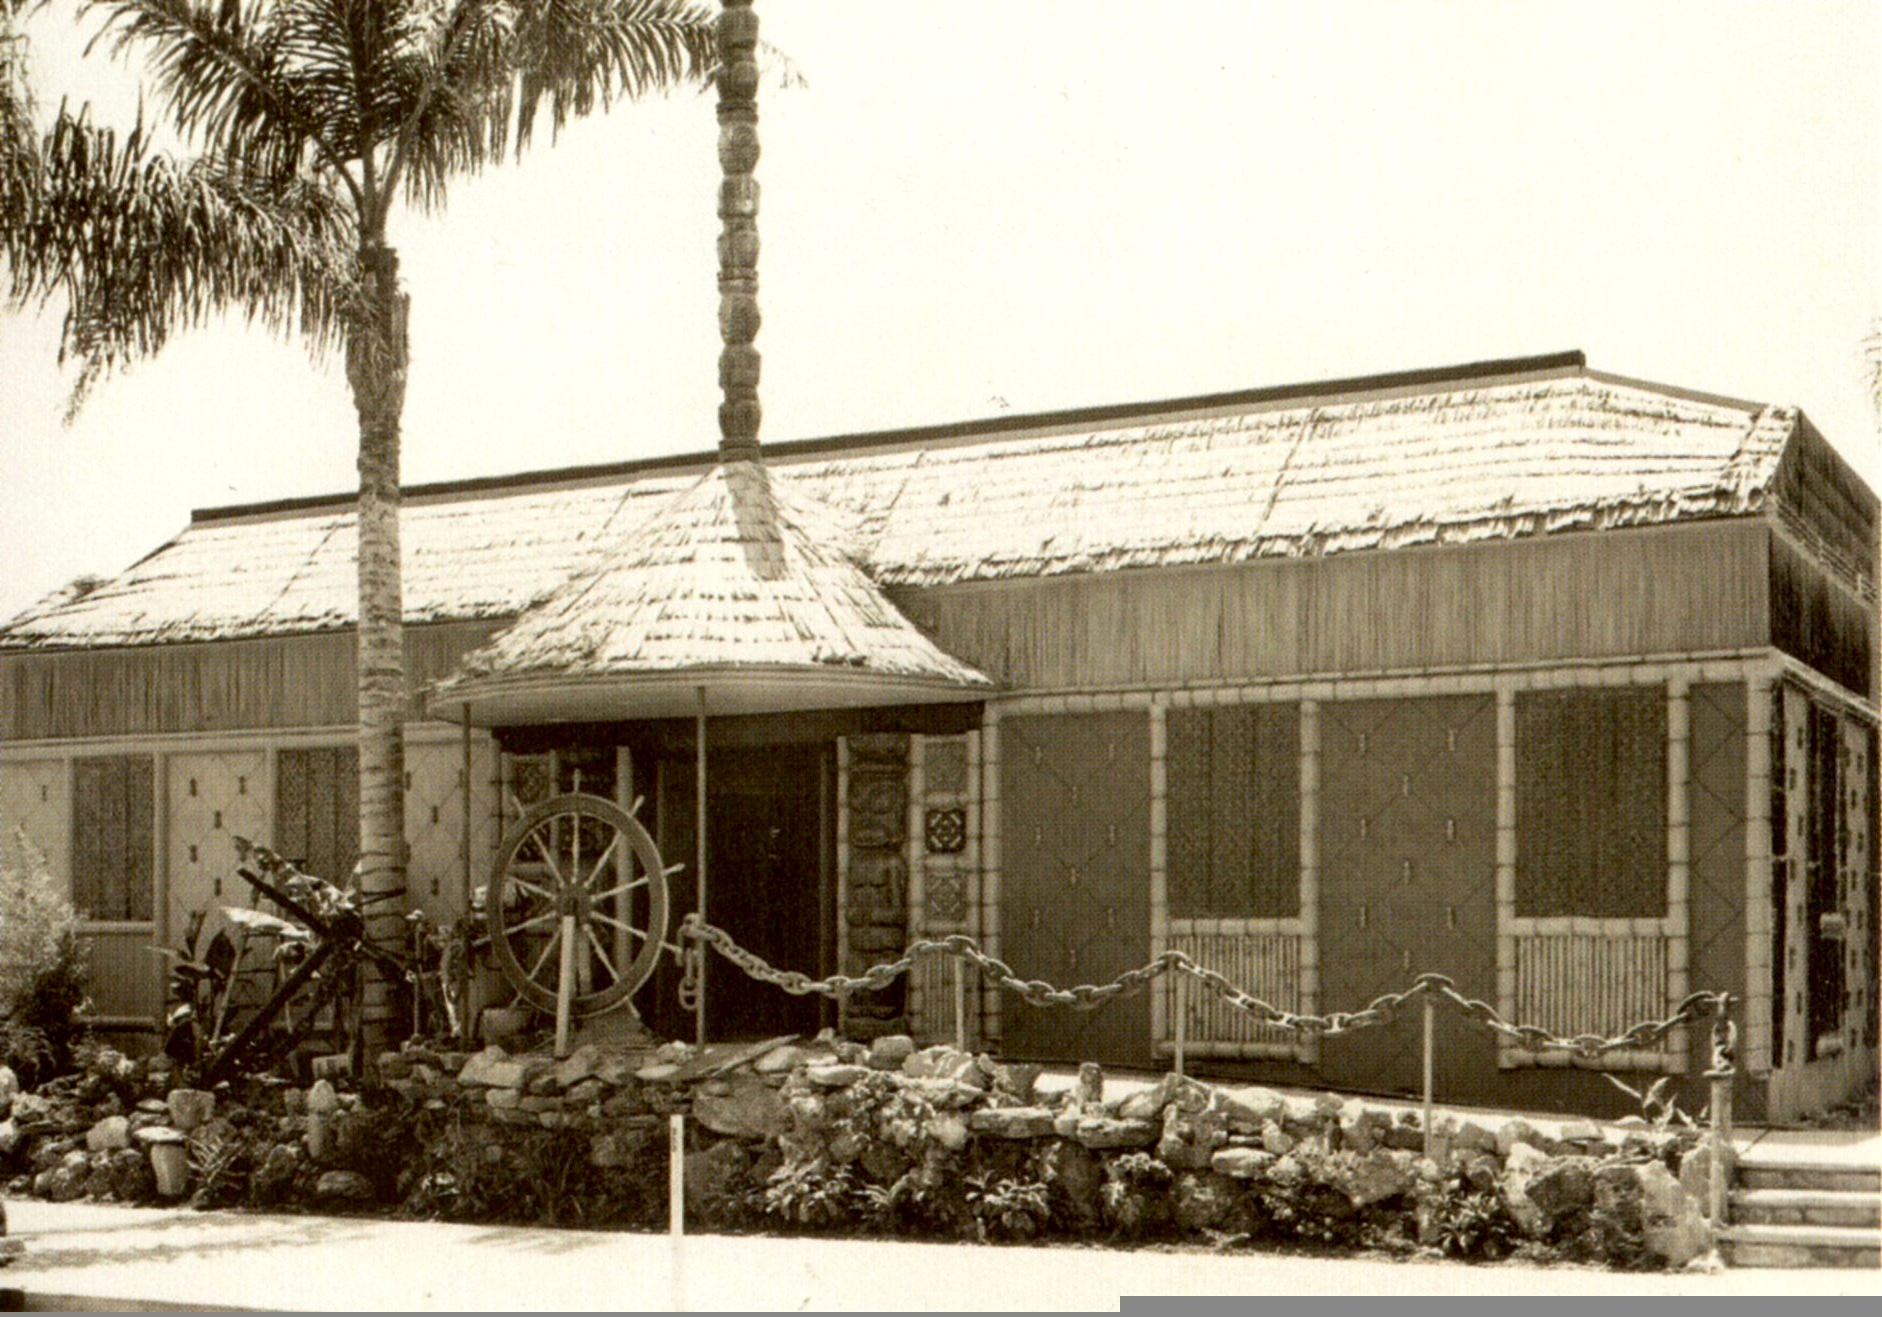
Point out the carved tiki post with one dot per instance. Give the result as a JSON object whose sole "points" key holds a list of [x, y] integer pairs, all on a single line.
{"points": [[739, 413]]}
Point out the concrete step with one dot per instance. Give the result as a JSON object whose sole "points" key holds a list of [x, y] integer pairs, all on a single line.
{"points": [[1806, 1207], [1795, 1173], [1800, 1246]]}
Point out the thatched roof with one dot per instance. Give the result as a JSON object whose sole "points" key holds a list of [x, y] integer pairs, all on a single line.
{"points": [[1501, 451], [739, 577]]}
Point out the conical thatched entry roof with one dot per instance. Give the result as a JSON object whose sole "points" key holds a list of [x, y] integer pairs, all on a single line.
{"points": [[742, 585]]}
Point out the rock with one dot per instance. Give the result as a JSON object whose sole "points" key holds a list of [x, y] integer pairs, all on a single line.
{"points": [[9, 1083], [1675, 1230], [502, 1099], [1695, 1173], [130, 1175], [154, 1107], [11, 1136], [1248, 1109], [109, 1134], [943, 1062], [275, 1176], [1379, 1175], [1276, 1140], [1512, 1132], [1477, 1138], [889, 1051], [1148, 1103], [1111, 1132], [1079, 1175], [1362, 1128], [1011, 1122], [1019, 1080], [659, 1072], [169, 1163], [1089, 1090], [781, 1060], [349, 1186], [31, 1111], [949, 1129], [1563, 1187], [1525, 1162], [615, 1071], [322, 1100], [1241, 1163], [494, 1067], [835, 1076], [588, 1091], [1582, 1132], [580, 1064], [1201, 1201], [191, 1107], [152, 1135], [752, 1109]]}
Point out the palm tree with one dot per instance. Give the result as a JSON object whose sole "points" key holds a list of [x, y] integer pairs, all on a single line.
{"points": [[315, 118]]}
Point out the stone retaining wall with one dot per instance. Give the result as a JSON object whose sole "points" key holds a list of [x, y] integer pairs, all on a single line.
{"points": [[888, 1138]]}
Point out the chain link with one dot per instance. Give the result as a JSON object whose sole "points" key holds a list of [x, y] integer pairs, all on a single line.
{"points": [[1087, 996]]}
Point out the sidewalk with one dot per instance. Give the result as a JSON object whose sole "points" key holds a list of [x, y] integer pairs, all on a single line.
{"points": [[230, 1260]]}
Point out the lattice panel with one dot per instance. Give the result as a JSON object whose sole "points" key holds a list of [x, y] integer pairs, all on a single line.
{"points": [[213, 797], [34, 796], [1075, 889], [434, 823], [1265, 964]]}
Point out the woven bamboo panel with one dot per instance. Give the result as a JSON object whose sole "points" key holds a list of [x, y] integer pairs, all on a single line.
{"points": [[1593, 982], [1266, 964]]}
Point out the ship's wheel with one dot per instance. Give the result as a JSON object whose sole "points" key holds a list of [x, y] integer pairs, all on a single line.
{"points": [[577, 880]]}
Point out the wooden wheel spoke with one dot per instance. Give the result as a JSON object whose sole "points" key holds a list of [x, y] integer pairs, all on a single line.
{"points": [[601, 952], [548, 856], [602, 863], [624, 887], [543, 918], [547, 947], [532, 889], [612, 922]]}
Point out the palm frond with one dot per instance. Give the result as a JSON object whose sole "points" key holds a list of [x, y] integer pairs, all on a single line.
{"points": [[142, 246], [250, 80], [484, 73]]}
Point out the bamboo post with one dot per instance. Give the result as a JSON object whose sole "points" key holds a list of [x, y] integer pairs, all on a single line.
{"points": [[565, 986], [1180, 987], [699, 865], [960, 1002], [1429, 1009]]}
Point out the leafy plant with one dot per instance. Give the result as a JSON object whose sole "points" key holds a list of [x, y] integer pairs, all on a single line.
{"points": [[1658, 1103], [1007, 1208], [199, 976], [1135, 1197], [1470, 1223], [43, 972], [816, 1195]]}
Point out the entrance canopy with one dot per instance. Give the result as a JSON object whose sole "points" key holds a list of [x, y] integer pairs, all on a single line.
{"points": [[741, 586]]}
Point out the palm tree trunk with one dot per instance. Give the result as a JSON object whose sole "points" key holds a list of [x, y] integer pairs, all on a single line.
{"points": [[376, 371]]}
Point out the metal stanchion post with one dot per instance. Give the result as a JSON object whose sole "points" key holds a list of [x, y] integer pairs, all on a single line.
{"points": [[1180, 984], [676, 1200], [1429, 1009], [1723, 1072]]}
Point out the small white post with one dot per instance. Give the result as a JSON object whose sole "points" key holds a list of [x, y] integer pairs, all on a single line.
{"points": [[1180, 984], [676, 1200], [1429, 1009], [565, 987]]}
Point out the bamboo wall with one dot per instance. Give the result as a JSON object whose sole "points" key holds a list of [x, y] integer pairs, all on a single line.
{"points": [[280, 681], [1675, 589]]}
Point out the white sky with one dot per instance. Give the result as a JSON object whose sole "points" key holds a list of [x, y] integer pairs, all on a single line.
{"points": [[982, 205]]}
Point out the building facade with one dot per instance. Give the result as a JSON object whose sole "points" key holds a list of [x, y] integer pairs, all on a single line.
{"points": [[1557, 683]]}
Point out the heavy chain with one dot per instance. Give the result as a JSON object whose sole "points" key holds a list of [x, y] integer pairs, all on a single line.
{"points": [[1380, 1010]]}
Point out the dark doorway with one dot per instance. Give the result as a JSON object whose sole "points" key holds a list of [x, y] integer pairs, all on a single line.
{"points": [[767, 883]]}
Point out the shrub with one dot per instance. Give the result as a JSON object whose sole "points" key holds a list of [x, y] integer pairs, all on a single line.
{"points": [[42, 963]]}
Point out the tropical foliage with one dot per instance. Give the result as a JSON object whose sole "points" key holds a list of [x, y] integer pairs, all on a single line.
{"points": [[312, 121]]}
